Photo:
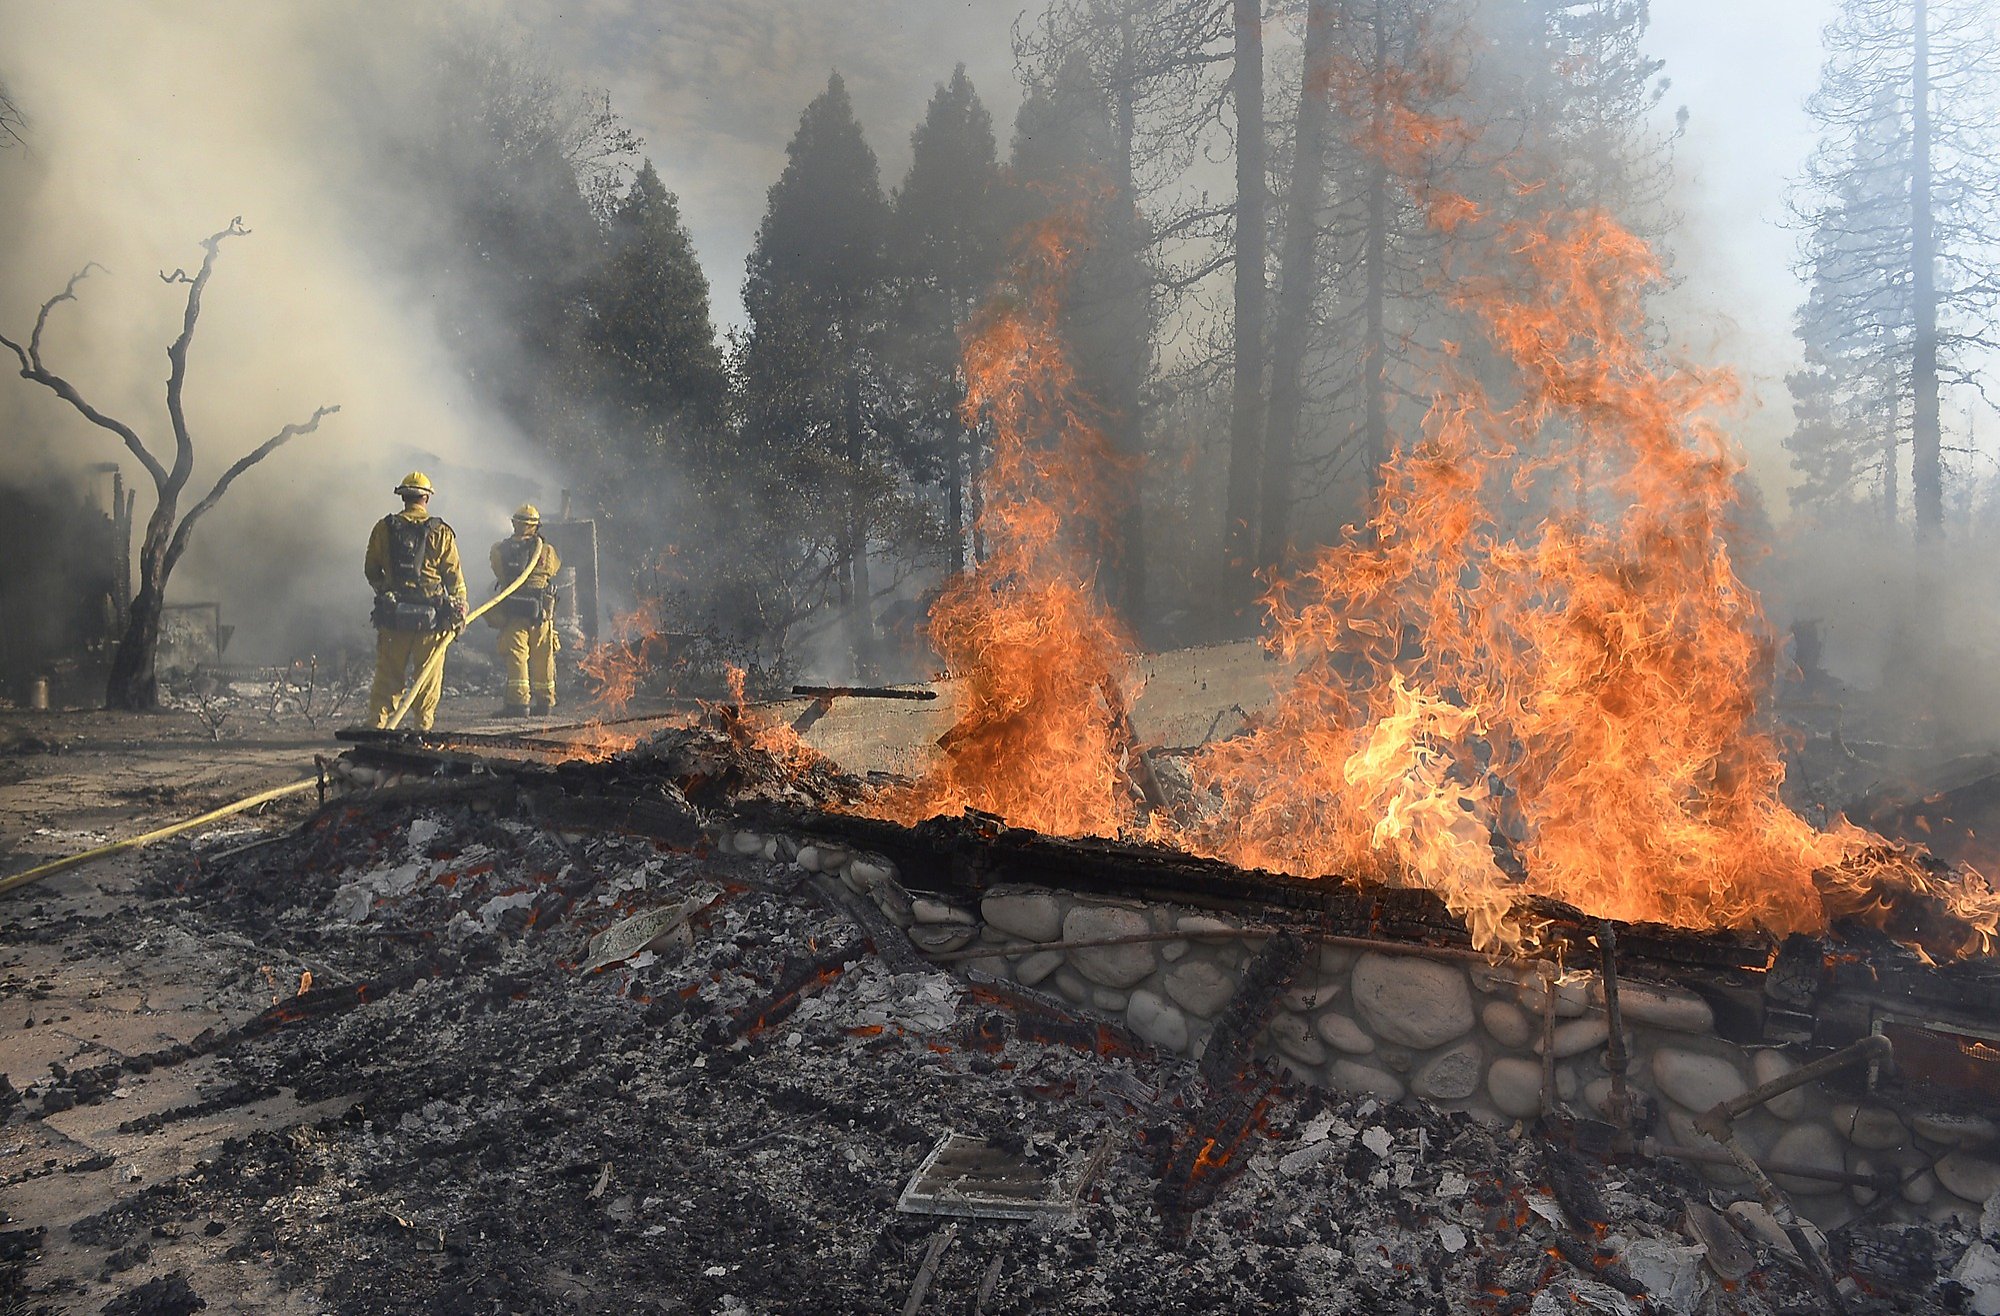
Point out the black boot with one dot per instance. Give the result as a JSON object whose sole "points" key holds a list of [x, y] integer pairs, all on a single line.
{"points": [[513, 710], [542, 708]]}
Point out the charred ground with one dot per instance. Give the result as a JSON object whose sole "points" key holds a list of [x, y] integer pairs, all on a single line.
{"points": [[454, 1117]]}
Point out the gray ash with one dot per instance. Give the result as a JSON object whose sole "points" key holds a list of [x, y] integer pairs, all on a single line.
{"points": [[726, 1125]]}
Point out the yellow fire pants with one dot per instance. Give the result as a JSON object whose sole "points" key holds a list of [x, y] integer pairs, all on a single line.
{"points": [[529, 655], [400, 655]]}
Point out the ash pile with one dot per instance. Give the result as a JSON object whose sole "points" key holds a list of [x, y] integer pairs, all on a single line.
{"points": [[572, 1069]]}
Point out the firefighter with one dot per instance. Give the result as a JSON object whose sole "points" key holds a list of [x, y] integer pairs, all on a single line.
{"points": [[527, 617], [412, 564]]}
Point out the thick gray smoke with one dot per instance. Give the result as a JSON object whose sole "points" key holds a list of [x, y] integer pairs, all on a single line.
{"points": [[149, 128]]}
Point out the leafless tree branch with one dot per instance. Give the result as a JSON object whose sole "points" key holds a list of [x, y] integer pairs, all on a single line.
{"points": [[68, 294], [242, 464], [32, 368], [177, 354]]}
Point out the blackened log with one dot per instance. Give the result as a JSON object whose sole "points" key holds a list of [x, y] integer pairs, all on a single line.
{"points": [[889, 943]]}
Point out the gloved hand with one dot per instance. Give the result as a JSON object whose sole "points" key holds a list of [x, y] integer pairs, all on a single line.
{"points": [[458, 611]]}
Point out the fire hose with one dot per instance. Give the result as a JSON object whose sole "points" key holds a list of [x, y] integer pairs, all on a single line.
{"points": [[434, 669], [140, 842], [430, 670]]}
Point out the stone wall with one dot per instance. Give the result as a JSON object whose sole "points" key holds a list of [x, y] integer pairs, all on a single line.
{"points": [[1459, 1032]]}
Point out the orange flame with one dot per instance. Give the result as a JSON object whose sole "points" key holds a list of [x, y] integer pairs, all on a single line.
{"points": [[1535, 673], [1048, 673], [1538, 671], [620, 663], [772, 736]]}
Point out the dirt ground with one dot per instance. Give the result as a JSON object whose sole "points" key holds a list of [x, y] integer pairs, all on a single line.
{"points": [[87, 976], [70, 782]]}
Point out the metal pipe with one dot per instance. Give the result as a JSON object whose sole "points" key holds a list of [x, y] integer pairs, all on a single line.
{"points": [[1884, 1182], [1210, 934], [1719, 1123], [1717, 1120]]}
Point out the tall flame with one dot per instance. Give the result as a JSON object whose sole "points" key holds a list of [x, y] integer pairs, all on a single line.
{"points": [[1538, 671], [1535, 672], [1042, 734], [620, 663]]}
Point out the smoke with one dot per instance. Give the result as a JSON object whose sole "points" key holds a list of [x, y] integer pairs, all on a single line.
{"points": [[149, 127]]}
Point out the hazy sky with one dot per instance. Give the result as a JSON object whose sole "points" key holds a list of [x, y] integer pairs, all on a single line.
{"points": [[152, 122], [1743, 70], [716, 86]]}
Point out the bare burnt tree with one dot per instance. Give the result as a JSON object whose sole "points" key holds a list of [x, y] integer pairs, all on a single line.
{"points": [[12, 124], [133, 682]]}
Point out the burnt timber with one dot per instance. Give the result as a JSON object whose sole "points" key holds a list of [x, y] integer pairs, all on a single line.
{"points": [[1822, 992]]}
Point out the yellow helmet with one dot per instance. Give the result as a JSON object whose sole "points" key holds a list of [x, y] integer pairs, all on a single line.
{"points": [[528, 512], [415, 482]]}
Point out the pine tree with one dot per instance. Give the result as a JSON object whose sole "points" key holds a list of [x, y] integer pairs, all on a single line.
{"points": [[812, 378], [1587, 96], [1854, 330], [1299, 281], [1178, 83], [1248, 310], [649, 365], [948, 238], [656, 342], [1904, 190]]}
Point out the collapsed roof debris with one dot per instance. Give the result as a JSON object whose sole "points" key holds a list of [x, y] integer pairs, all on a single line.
{"points": [[514, 1113]]}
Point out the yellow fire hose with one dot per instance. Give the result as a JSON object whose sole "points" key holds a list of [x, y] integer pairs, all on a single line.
{"points": [[430, 669], [140, 842], [435, 666]]}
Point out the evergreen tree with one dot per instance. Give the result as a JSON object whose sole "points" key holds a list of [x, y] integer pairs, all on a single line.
{"points": [[1586, 93], [649, 365], [948, 237], [1903, 193], [1854, 329], [1299, 282], [814, 389], [1177, 83], [653, 335]]}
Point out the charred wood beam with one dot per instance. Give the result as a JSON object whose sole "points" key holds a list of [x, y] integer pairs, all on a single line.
{"points": [[885, 938], [445, 740], [1819, 991], [1208, 1148], [864, 692], [1049, 1020], [795, 982], [1227, 1055]]}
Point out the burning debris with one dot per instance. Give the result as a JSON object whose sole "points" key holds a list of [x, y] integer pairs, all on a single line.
{"points": [[1488, 965], [729, 1119]]}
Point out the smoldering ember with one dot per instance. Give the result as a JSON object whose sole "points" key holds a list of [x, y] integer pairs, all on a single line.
{"points": [[1300, 656]]}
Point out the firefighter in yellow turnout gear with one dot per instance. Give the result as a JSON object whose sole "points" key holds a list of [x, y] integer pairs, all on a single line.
{"points": [[527, 619], [413, 566]]}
